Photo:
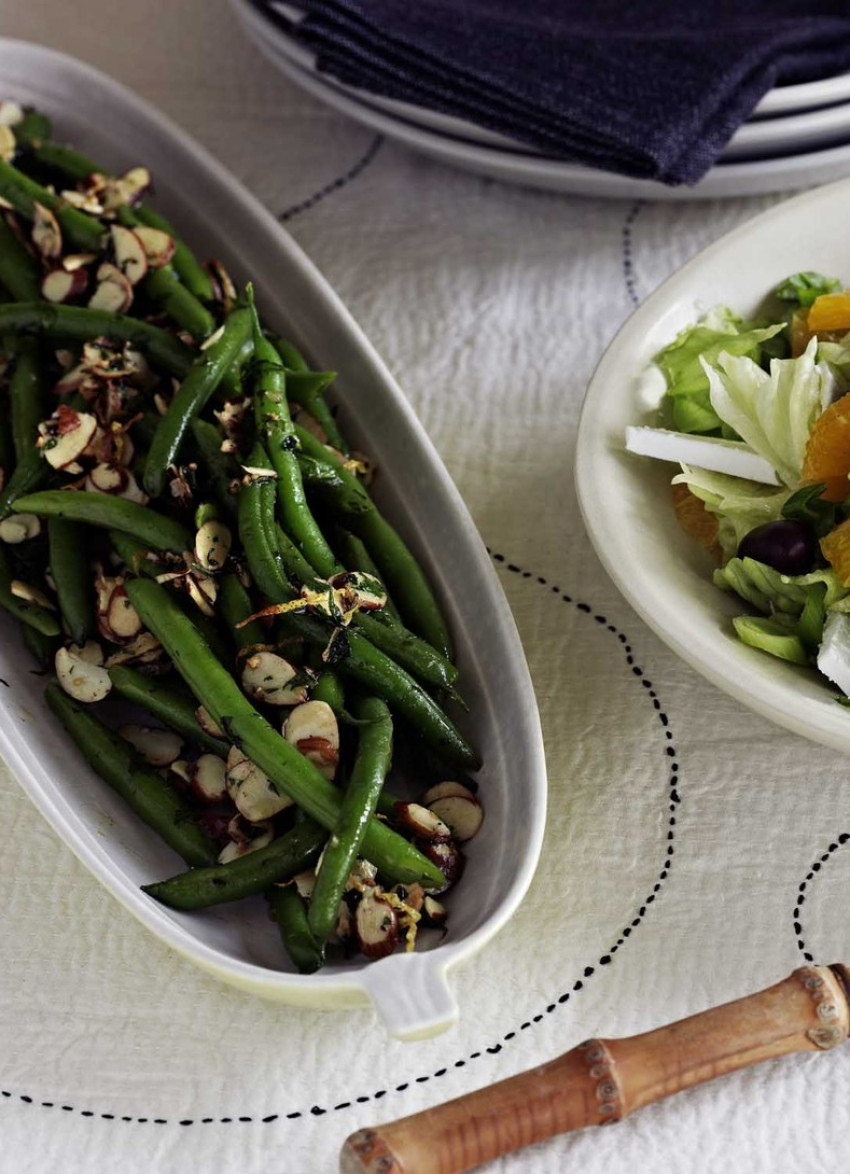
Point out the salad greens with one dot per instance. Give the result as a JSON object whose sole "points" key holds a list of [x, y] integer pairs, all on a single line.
{"points": [[766, 384]]}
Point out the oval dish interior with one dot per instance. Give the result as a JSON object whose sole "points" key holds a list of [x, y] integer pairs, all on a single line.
{"points": [[219, 218]]}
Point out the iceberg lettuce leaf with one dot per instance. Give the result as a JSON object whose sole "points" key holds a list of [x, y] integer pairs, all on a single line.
{"points": [[720, 331], [773, 412], [774, 593]]}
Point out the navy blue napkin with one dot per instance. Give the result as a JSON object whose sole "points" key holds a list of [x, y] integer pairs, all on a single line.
{"points": [[652, 89]]}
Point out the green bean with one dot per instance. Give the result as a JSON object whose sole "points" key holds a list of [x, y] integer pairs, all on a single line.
{"points": [[290, 913], [194, 276], [135, 556], [41, 647], [155, 802], [155, 530], [412, 653], [164, 287], [399, 569], [293, 360], [26, 394], [83, 231], [234, 606], [371, 766], [198, 385], [19, 270], [290, 772], [30, 473], [295, 565], [33, 127], [81, 324], [69, 161], [180, 300], [248, 875], [355, 557], [41, 618], [172, 707], [257, 532], [361, 660], [329, 689], [275, 425], [69, 566], [305, 388], [220, 467]]}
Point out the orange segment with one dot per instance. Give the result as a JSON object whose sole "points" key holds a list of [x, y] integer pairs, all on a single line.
{"points": [[828, 451], [836, 551], [830, 312], [695, 519]]}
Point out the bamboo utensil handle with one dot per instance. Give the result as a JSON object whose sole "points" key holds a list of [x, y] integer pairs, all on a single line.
{"points": [[601, 1080]]}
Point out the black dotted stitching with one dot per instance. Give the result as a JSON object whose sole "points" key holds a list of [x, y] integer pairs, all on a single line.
{"points": [[335, 185], [628, 264], [797, 916], [578, 985]]}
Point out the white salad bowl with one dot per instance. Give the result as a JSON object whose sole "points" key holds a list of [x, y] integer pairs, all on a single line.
{"points": [[238, 943], [625, 500]]}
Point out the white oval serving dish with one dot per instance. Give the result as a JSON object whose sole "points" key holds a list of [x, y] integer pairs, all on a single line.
{"points": [[625, 500], [237, 943]]}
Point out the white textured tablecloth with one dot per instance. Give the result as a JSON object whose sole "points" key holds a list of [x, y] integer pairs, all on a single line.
{"points": [[684, 832]]}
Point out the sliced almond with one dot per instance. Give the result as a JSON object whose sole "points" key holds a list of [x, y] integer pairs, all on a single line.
{"points": [[224, 288], [376, 926], [8, 146], [253, 793], [202, 591], [129, 253], [266, 677], [213, 338], [106, 479], [122, 617], [19, 527], [46, 233], [421, 821], [75, 261], [85, 201], [158, 747], [133, 491], [144, 650], [202, 717], [11, 112], [66, 436], [434, 913], [463, 816], [312, 729], [182, 772], [443, 790], [126, 189], [447, 857], [305, 882], [91, 652], [60, 285], [30, 594], [212, 545], [80, 679], [114, 292], [245, 839], [208, 777], [158, 245]]}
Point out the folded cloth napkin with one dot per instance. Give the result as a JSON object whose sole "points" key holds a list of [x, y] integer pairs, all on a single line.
{"points": [[653, 90]]}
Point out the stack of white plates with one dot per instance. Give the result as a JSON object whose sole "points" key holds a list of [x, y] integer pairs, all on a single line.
{"points": [[798, 135]]}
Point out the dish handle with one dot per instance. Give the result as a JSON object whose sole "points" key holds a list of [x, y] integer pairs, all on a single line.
{"points": [[412, 996]]}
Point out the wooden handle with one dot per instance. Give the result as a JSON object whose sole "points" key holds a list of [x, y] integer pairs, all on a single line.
{"points": [[601, 1080]]}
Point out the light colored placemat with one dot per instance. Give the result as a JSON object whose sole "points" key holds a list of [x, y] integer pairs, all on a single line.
{"points": [[681, 827]]}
